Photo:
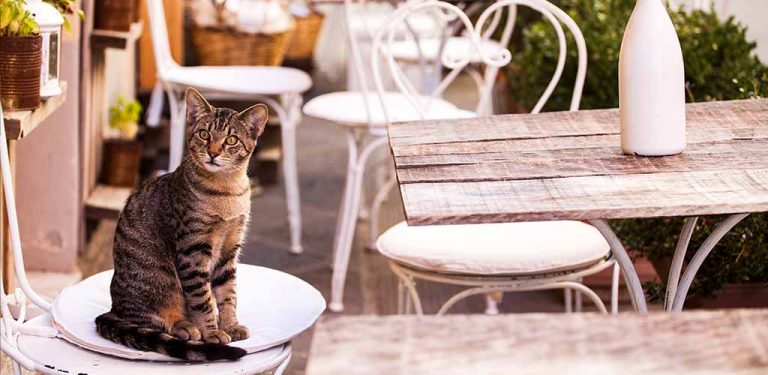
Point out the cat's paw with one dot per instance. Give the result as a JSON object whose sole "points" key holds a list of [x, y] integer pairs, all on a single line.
{"points": [[237, 332], [186, 331], [216, 337]]}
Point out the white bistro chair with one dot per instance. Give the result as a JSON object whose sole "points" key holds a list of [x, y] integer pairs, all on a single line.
{"points": [[490, 259], [51, 338], [279, 87], [362, 115]]}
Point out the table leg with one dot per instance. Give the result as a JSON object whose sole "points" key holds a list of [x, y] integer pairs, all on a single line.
{"points": [[625, 262], [677, 299], [677, 261]]}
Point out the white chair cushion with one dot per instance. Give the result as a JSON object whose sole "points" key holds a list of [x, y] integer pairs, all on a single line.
{"points": [[248, 80], [274, 305], [455, 48], [495, 249], [348, 108]]}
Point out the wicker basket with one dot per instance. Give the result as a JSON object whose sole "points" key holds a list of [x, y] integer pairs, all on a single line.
{"points": [[304, 37], [215, 46]]}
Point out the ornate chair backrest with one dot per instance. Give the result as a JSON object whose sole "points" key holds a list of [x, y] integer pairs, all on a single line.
{"points": [[358, 16], [491, 58]]}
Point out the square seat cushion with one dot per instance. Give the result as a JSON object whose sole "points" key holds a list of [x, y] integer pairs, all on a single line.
{"points": [[495, 249], [348, 108]]}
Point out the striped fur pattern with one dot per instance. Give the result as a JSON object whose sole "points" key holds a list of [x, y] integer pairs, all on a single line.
{"points": [[178, 240]]}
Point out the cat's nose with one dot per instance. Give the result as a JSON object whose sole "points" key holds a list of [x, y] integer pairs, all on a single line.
{"points": [[214, 153]]}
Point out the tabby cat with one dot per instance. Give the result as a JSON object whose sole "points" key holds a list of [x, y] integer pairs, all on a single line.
{"points": [[178, 240]]}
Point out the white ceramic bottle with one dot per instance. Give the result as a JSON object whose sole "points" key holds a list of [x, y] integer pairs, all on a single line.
{"points": [[651, 83]]}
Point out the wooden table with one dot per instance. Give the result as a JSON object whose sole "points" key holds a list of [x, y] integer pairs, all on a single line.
{"points": [[701, 342], [18, 125], [568, 165]]}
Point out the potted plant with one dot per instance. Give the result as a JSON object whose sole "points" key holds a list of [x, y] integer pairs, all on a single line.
{"points": [[122, 152], [21, 56], [719, 65]]}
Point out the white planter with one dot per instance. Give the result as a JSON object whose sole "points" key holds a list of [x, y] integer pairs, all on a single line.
{"points": [[651, 83]]}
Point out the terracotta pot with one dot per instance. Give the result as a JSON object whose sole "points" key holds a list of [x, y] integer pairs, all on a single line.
{"points": [[115, 15], [20, 72], [122, 160], [734, 295]]}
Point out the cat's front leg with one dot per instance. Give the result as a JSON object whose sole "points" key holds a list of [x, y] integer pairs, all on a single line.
{"points": [[223, 283], [193, 261]]}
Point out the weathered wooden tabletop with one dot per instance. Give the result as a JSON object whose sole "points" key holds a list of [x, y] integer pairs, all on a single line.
{"points": [[569, 165], [711, 342]]}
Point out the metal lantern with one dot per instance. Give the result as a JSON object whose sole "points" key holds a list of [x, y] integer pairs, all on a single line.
{"points": [[50, 21]]}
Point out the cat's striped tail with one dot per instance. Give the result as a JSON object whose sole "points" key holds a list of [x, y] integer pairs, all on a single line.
{"points": [[113, 328]]}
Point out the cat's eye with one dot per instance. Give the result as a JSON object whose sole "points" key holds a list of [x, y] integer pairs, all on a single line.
{"points": [[204, 135], [231, 140]]}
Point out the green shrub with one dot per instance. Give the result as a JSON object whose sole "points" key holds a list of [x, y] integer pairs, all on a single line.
{"points": [[719, 65]]}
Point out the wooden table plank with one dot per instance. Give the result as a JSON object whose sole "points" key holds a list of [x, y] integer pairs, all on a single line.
{"points": [[590, 197], [711, 342], [568, 165], [19, 124], [734, 114]]}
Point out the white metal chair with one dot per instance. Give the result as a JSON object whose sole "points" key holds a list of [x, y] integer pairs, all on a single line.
{"points": [[50, 337], [361, 114], [279, 87], [490, 258]]}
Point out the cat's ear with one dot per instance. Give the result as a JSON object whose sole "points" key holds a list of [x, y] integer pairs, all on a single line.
{"points": [[255, 117], [197, 106]]}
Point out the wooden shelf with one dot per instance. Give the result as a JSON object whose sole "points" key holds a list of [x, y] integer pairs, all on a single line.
{"points": [[106, 202], [19, 124], [116, 39]]}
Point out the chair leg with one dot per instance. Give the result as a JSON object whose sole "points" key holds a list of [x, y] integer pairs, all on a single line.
{"points": [[615, 289], [288, 123], [568, 300], [349, 214], [579, 305], [176, 149], [381, 196], [346, 199], [492, 301]]}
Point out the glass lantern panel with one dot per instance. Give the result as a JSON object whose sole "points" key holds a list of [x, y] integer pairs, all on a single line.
{"points": [[53, 56]]}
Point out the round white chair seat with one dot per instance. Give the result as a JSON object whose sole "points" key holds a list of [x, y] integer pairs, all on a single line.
{"points": [[495, 249], [274, 305], [348, 108], [59, 355], [455, 48], [249, 80]]}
